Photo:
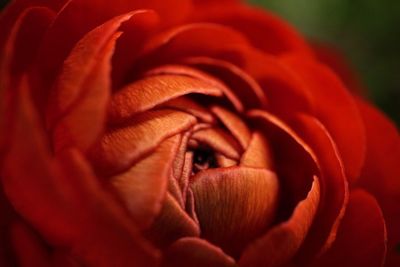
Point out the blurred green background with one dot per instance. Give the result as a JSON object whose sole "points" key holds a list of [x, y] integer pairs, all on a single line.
{"points": [[367, 32]]}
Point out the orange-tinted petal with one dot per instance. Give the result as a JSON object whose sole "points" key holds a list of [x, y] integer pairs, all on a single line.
{"points": [[172, 223], [234, 124], [336, 109], [258, 154], [294, 161], [281, 242], [149, 92], [219, 140], [203, 76], [192, 107], [381, 173], [121, 147], [241, 83], [195, 252], [234, 205], [334, 188], [361, 239], [142, 188]]}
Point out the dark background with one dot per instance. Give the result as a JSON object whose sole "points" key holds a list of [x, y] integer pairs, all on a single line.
{"points": [[367, 32]]}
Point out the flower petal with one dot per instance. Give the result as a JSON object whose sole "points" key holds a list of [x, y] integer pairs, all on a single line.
{"points": [[195, 252], [294, 161], [121, 147], [234, 205], [80, 66], [361, 239], [91, 109], [149, 92], [220, 141], [242, 84], [142, 188], [334, 188], [15, 58], [336, 109], [281, 242], [258, 153], [264, 30], [171, 224], [381, 173]]}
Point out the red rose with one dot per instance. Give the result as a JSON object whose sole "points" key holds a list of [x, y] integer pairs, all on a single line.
{"points": [[185, 133]]}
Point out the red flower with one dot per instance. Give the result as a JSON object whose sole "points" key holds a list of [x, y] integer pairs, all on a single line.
{"points": [[185, 133]]}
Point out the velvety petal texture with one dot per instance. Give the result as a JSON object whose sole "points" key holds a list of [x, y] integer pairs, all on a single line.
{"points": [[166, 133]]}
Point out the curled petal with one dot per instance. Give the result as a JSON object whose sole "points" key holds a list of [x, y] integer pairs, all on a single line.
{"points": [[142, 188], [121, 147], [334, 188], [72, 130], [361, 239], [336, 109], [234, 124], [155, 90], [241, 83], [258, 154], [220, 141], [281, 242], [195, 252], [234, 205]]}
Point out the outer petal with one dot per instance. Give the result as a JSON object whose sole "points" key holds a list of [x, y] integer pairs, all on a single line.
{"points": [[335, 108], [381, 173], [65, 202], [334, 188], [264, 30], [195, 252], [90, 109], [361, 239], [281, 242], [15, 58]]}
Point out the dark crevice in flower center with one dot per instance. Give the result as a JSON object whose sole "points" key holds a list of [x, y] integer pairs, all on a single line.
{"points": [[203, 159]]}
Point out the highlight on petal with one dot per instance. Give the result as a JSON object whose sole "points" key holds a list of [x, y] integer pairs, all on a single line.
{"points": [[195, 252], [234, 205], [142, 188], [149, 92], [258, 153], [234, 124], [361, 239], [280, 243], [381, 172], [121, 147]]}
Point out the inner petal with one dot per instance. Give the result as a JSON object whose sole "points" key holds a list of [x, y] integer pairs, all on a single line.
{"points": [[234, 205]]}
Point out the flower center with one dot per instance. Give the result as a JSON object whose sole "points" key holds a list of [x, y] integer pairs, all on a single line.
{"points": [[203, 159]]}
